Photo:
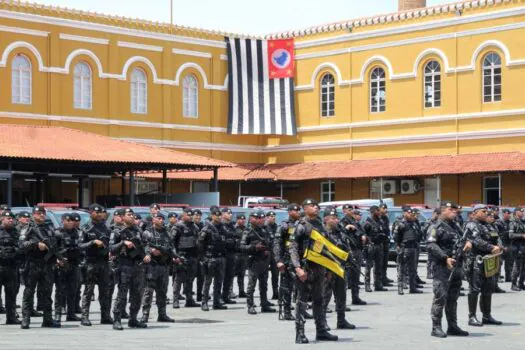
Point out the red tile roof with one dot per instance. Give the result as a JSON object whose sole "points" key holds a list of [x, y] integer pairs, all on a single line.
{"points": [[371, 168], [62, 144]]}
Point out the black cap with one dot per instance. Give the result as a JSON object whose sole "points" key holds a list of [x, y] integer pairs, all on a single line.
{"points": [[373, 208], [383, 206], [154, 205], [270, 213], [449, 204], [119, 212], [505, 211], [309, 201], [138, 217], [348, 206], [226, 210], [197, 212], [172, 215], [158, 215], [330, 211], [293, 206], [8, 214], [67, 216], [479, 207], [4, 207], [214, 210], [39, 209], [407, 209], [240, 217], [258, 214], [75, 216], [96, 207], [23, 214], [519, 209]]}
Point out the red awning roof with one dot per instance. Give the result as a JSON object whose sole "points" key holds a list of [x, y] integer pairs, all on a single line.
{"points": [[62, 144], [370, 168]]}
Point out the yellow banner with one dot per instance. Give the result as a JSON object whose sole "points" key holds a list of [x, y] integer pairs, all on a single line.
{"points": [[326, 254], [322, 240]]}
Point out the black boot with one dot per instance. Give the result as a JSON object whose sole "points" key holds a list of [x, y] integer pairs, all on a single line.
{"points": [[400, 289], [342, 323], [367, 288], [116, 322], [191, 303], [12, 321], [288, 315], [145, 317], [84, 321], [487, 310], [454, 330], [437, 331], [25, 322], [275, 295], [163, 317], [73, 318], [125, 315], [300, 338], [499, 290], [134, 323], [35, 313], [325, 336], [175, 304], [267, 309], [106, 319], [358, 301], [472, 307], [50, 323], [204, 305]]}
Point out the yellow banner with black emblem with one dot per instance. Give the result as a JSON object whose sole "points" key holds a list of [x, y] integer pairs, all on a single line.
{"points": [[323, 252]]}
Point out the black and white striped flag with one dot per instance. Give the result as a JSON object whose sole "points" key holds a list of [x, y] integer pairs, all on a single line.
{"points": [[258, 103]]}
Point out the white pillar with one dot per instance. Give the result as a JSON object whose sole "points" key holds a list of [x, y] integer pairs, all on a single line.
{"points": [[240, 188], [438, 191], [282, 191]]}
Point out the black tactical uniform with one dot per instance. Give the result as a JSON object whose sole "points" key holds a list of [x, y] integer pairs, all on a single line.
{"points": [[316, 274], [240, 261], [97, 268], [425, 231], [9, 261], [257, 245], [200, 275], [503, 227], [375, 232], [114, 269], [517, 235], [281, 245], [406, 236], [228, 227], [68, 275], [39, 268], [445, 241], [355, 241], [160, 250], [385, 246], [131, 272], [336, 284], [271, 228], [185, 235], [483, 241], [213, 243]]}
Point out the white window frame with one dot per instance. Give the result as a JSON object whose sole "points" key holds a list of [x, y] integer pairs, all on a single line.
{"points": [[330, 193], [190, 97], [490, 67], [139, 91], [81, 83], [17, 75], [485, 188], [327, 91], [376, 80], [432, 76]]}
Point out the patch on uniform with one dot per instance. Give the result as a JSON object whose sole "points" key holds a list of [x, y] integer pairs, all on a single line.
{"points": [[291, 230], [433, 235], [318, 247]]}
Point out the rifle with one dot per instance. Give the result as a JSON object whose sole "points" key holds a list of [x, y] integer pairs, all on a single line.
{"points": [[460, 256], [51, 244], [134, 252], [289, 270], [353, 266]]}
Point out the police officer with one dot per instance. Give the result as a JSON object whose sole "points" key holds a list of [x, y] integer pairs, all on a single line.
{"points": [[9, 260], [38, 242], [503, 226], [160, 252], [197, 221], [212, 242], [94, 240], [517, 236], [154, 208], [126, 245], [351, 225], [336, 284], [445, 240], [383, 210], [68, 275], [281, 245], [114, 270], [375, 233], [228, 227], [482, 243], [185, 235], [311, 276], [172, 220], [256, 243], [271, 228], [426, 226], [493, 232], [406, 236], [240, 258]]}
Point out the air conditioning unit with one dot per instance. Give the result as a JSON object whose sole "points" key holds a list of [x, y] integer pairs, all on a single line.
{"points": [[409, 186], [389, 187]]}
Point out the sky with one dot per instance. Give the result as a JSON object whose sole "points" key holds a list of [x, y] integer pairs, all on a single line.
{"points": [[240, 16]]}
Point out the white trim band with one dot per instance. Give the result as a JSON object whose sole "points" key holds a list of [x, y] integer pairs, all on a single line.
{"points": [[84, 39]]}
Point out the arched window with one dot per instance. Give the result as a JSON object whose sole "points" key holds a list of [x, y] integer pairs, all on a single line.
{"points": [[432, 84], [190, 97], [82, 93], [327, 95], [377, 90], [139, 92], [492, 77], [21, 80]]}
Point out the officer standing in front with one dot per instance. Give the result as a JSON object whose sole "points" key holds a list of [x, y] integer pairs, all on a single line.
{"points": [[126, 245], [255, 243], [9, 258], [311, 276], [445, 240], [197, 221], [503, 226], [228, 227], [517, 236], [94, 240], [375, 233], [240, 258], [38, 242], [271, 228], [383, 210]]}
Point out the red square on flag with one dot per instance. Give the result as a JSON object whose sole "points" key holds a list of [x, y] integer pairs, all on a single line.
{"points": [[281, 58]]}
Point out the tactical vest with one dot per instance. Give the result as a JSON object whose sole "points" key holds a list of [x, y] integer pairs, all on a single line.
{"points": [[188, 237], [8, 246], [93, 232], [70, 241]]}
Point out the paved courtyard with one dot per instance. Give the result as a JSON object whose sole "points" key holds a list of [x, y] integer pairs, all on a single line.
{"points": [[389, 321]]}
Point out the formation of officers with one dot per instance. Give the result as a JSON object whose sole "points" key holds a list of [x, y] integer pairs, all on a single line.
{"points": [[139, 256]]}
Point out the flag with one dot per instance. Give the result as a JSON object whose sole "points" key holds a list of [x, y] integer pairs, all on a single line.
{"points": [[258, 103], [323, 252]]}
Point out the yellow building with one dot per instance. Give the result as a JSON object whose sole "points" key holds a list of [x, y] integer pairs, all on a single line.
{"points": [[435, 81]]}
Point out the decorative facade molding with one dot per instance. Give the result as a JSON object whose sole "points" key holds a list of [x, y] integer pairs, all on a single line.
{"points": [[192, 53], [18, 30], [137, 46], [83, 39]]}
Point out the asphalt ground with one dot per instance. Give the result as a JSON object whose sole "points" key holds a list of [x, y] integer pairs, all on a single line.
{"points": [[389, 321]]}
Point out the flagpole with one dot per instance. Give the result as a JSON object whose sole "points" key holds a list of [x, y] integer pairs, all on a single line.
{"points": [[171, 12]]}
